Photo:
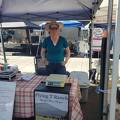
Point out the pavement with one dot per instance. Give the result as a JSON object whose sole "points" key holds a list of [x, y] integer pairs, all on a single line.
{"points": [[26, 63]]}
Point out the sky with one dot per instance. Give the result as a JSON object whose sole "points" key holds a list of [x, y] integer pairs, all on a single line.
{"points": [[105, 3], [101, 15]]}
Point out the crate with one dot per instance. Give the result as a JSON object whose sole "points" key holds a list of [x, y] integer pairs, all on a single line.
{"points": [[84, 94]]}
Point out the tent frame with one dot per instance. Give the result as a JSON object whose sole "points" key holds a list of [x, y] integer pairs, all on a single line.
{"points": [[115, 77]]}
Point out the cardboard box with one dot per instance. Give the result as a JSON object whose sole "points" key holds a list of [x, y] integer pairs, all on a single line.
{"points": [[51, 102]]}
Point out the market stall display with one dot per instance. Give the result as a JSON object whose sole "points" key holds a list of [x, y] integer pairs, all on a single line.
{"points": [[52, 102], [24, 100]]}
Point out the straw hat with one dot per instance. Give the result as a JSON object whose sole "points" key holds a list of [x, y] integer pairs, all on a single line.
{"points": [[49, 24]]}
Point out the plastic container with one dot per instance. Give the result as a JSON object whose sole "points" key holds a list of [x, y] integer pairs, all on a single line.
{"points": [[5, 66]]}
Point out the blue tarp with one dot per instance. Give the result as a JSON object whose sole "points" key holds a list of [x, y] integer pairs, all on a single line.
{"points": [[67, 23], [72, 23]]}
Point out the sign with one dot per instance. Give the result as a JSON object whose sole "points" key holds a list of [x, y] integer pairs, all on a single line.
{"points": [[97, 39], [7, 94], [51, 102], [97, 33]]}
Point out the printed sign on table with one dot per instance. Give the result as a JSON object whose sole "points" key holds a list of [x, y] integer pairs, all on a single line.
{"points": [[7, 95], [51, 104]]}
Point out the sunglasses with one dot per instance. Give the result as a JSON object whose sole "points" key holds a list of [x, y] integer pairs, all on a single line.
{"points": [[53, 28]]}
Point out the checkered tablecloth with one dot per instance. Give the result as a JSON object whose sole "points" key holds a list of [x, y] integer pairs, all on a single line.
{"points": [[24, 99]]}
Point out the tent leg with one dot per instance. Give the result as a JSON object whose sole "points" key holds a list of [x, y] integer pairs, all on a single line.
{"points": [[2, 42], [116, 53], [106, 79], [90, 46], [29, 41]]}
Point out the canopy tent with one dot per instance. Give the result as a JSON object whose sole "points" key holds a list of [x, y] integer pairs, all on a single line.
{"points": [[17, 25], [19, 10], [23, 10], [42, 10]]}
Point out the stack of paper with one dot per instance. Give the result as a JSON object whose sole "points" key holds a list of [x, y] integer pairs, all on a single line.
{"points": [[27, 76]]}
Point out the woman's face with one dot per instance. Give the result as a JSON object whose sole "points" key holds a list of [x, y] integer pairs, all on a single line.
{"points": [[54, 29]]}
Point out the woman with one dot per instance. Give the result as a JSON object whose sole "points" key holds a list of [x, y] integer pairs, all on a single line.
{"points": [[53, 49]]}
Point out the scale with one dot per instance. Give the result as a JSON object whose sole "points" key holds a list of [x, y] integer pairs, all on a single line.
{"points": [[9, 73], [56, 80]]}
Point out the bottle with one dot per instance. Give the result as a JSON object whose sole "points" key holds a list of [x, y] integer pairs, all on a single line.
{"points": [[5, 66], [1, 67]]}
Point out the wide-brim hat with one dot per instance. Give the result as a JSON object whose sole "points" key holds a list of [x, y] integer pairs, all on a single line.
{"points": [[50, 23]]}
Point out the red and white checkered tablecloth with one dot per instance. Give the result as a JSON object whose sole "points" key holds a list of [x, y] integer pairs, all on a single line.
{"points": [[24, 99]]}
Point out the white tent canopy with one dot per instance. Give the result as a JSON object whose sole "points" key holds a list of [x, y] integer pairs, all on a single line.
{"points": [[19, 10], [13, 24], [16, 25]]}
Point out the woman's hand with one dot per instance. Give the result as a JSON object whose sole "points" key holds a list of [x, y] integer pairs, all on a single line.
{"points": [[67, 55], [44, 61], [64, 62]]}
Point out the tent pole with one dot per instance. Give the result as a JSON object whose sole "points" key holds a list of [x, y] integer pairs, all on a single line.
{"points": [[2, 42], [90, 46], [109, 21], [29, 39], [30, 44], [91, 36], [116, 53]]}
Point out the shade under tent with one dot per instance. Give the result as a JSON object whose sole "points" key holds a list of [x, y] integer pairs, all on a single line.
{"points": [[82, 10]]}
